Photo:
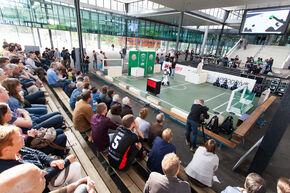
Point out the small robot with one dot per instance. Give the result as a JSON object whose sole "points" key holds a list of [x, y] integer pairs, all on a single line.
{"points": [[165, 77]]}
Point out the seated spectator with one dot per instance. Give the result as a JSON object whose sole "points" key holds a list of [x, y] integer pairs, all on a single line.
{"points": [[2, 75], [126, 109], [30, 63], [13, 153], [204, 163], [143, 124], [103, 94], [3, 61], [74, 94], [109, 98], [83, 114], [283, 185], [168, 182], [100, 125], [31, 179], [125, 145], [16, 101], [161, 147], [55, 81], [116, 100], [156, 128], [115, 114], [87, 86], [254, 184], [59, 143]]}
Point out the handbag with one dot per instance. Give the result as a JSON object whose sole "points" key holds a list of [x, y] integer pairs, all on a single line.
{"points": [[43, 138]]}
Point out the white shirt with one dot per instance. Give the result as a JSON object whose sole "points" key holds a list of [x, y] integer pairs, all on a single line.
{"points": [[202, 166], [143, 126], [30, 62]]}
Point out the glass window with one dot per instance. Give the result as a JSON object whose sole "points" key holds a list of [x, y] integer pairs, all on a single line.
{"points": [[92, 2], [84, 1], [100, 3], [114, 5], [107, 4]]}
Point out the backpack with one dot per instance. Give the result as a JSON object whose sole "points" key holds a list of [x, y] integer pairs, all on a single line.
{"points": [[213, 124], [227, 126]]}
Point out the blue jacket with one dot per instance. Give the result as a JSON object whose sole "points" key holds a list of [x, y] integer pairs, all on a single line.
{"points": [[159, 149], [73, 98]]}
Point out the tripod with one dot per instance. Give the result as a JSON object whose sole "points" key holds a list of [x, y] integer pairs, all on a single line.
{"points": [[203, 124]]}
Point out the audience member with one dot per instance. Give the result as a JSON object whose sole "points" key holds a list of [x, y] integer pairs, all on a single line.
{"points": [[125, 145], [169, 182], [126, 109], [30, 62], [13, 153], [116, 100], [143, 124], [55, 81], [115, 113], [75, 93], [283, 185], [156, 128], [109, 98], [100, 125], [103, 94], [83, 114], [254, 184], [161, 147], [204, 163]]}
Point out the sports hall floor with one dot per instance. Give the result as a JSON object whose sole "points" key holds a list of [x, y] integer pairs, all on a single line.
{"points": [[279, 165], [181, 94]]}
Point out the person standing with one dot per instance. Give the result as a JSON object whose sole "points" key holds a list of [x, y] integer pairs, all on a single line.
{"points": [[161, 60], [57, 54], [86, 63], [173, 64], [73, 55], [186, 54], [113, 46], [95, 61], [193, 121]]}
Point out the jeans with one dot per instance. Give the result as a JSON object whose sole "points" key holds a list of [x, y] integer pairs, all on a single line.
{"points": [[185, 56], [60, 140], [37, 110], [191, 126], [64, 84], [86, 70], [36, 97], [172, 71], [95, 65], [54, 119]]}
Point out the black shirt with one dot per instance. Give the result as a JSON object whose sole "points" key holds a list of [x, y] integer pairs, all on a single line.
{"points": [[122, 150], [196, 111]]}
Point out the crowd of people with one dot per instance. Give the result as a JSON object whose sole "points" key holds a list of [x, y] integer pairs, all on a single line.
{"points": [[259, 66], [30, 136]]}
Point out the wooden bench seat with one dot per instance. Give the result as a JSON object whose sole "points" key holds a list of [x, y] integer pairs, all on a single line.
{"points": [[91, 166], [130, 178], [249, 123]]}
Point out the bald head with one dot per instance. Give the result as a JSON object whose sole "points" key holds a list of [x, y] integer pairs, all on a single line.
{"points": [[167, 135], [25, 178]]}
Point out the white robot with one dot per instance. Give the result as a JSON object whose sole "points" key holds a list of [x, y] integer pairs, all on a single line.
{"points": [[165, 77]]}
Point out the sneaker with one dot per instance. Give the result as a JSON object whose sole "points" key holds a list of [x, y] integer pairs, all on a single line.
{"points": [[193, 149], [187, 143]]}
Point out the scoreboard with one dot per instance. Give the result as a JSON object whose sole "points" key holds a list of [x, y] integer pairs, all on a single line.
{"points": [[153, 86]]}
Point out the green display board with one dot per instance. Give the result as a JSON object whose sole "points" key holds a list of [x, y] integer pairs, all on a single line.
{"points": [[142, 59], [150, 62], [133, 60]]}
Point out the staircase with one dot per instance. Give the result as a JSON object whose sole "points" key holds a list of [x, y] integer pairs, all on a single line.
{"points": [[278, 53]]}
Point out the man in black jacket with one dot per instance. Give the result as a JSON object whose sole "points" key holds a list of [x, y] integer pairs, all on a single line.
{"points": [[193, 121]]}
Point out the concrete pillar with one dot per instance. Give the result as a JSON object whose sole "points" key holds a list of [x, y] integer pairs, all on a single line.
{"points": [[39, 38], [50, 38], [167, 46], [71, 41], [32, 32], [204, 40], [179, 30], [99, 41]]}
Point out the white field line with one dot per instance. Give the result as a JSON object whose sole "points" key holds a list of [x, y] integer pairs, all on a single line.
{"points": [[175, 86], [221, 105], [215, 97]]}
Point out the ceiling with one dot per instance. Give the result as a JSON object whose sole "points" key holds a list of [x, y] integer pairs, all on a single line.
{"points": [[174, 17], [189, 5]]}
